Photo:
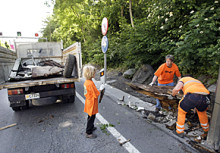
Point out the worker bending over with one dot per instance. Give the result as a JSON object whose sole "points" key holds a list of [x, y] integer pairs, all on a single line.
{"points": [[195, 96]]}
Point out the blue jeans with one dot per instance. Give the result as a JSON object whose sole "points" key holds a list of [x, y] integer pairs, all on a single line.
{"points": [[158, 102]]}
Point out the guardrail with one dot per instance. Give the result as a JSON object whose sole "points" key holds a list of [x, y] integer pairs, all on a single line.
{"points": [[7, 59]]}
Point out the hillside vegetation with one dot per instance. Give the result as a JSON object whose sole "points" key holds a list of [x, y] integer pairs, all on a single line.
{"points": [[142, 32]]}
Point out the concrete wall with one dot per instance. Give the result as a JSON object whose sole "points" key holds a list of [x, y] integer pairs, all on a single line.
{"points": [[7, 59]]}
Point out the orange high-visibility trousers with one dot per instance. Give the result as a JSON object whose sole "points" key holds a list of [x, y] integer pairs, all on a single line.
{"points": [[203, 120], [181, 117]]}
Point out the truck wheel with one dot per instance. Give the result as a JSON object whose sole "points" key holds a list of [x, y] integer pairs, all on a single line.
{"points": [[19, 108], [68, 69], [27, 105], [16, 108]]}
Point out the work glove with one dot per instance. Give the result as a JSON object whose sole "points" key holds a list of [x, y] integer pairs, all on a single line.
{"points": [[151, 84], [171, 97], [102, 86]]}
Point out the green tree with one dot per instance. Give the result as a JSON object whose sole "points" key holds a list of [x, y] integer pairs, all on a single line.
{"points": [[142, 32]]}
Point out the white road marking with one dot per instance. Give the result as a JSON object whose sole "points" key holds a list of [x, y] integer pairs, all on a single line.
{"points": [[120, 138]]}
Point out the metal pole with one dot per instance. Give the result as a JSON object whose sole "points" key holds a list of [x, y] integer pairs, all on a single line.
{"points": [[105, 67], [213, 138]]}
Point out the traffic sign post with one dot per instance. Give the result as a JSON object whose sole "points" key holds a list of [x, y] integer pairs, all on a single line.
{"points": [[104, 44], [104, 26]]}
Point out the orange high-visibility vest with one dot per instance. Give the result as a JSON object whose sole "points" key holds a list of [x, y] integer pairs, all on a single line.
{"points": [[191, 85], [165, 74], [91, 93]]}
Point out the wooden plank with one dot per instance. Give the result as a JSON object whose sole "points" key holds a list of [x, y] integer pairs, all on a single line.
{"points": [[159, 92], [30, 83], [8, 126]]}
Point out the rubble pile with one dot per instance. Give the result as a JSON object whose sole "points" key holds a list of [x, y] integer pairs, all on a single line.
{"points": [[30, 68], [165, 118]]}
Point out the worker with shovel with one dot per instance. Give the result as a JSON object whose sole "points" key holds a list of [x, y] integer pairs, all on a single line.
{"points": [[165, 74], [195, 96]]}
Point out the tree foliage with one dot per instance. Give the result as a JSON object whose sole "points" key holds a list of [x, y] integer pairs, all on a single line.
{"points": [[188, 29]]}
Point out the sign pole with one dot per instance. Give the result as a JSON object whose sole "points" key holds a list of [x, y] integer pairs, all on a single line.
{"points": [[105, 67], [104, 45]]}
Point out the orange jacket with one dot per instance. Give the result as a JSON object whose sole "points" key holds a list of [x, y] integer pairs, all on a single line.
{"points": [[165, 74], [91, 93], [191, 85]]}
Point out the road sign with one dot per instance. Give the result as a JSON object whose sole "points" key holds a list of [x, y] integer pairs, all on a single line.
{"points": [[104, 26], [104, 44]]}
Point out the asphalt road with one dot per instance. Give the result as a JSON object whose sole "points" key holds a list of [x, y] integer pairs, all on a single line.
{"points": [[60, 128]]}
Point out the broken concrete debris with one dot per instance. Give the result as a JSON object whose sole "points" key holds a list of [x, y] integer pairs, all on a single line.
{"points": [[159, 119], [45, 71], [192, 126], [140, 109], [151, 117], [171, 124], [164, 117], [25, 69]]}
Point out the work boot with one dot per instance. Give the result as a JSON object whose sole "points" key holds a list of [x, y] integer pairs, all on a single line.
{"points": [[204, 136], [91, 136], [201, 137], [181, 135], [157, 110]]}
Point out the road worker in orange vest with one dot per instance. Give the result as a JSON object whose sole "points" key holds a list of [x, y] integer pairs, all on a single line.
{"points": [[165, 75], [195, 96]]}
